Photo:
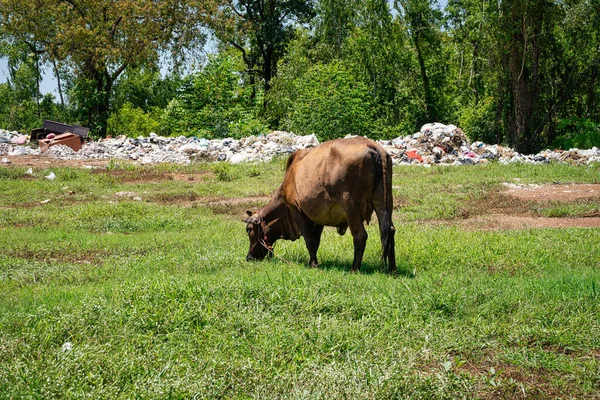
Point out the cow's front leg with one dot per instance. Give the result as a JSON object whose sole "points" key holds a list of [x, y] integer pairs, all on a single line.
{"points": [[312, 237], [312, 244]]}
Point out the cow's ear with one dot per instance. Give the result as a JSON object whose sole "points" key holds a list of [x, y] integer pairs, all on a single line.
{"points": [[249, 213]]}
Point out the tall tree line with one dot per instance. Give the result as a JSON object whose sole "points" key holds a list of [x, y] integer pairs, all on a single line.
{"points": [[521, 72]]}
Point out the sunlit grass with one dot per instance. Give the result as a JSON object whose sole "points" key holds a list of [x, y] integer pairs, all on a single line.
{"points": [[106, 297]]}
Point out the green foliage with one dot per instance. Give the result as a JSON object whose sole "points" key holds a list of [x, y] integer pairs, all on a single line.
{"points": [[223, 171], [329, 102], [132, 121], [259, 31], [213, 104], [19, 107], [145, 88], [581, 133], [479, 122], [513, 72]]}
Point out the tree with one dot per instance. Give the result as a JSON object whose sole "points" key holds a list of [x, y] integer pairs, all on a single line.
{"points": [[421, 19], [259, 30], [99, 39], [325, 99], [212, 104]]}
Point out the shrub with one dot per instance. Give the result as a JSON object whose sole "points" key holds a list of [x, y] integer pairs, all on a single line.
{"points": [[330, 103], [581, 133], [132, 121], [478, 121], [223, 171], [215, 103]]}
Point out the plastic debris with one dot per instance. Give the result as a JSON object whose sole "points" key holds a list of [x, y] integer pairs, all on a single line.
{"points": [[435, 143]]}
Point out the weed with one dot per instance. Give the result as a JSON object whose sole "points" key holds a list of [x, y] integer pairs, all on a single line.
{"points": [[224, 172], [253, 170]]}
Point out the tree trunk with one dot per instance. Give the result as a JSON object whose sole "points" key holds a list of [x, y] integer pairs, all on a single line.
{"points": [[37, 84], [268, 67], [590, 111], [104, 104], [60, 93], [429, 103]]}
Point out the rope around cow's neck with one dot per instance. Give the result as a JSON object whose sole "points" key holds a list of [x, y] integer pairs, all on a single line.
{"points": [[265, 242]]}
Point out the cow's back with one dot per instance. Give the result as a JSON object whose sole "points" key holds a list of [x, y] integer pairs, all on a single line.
{"points": [[318, 181]]}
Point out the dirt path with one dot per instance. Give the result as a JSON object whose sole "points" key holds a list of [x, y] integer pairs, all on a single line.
{"points": [[512, 222], [505, 210], [47, 162], [557, 192], [510, 209]]}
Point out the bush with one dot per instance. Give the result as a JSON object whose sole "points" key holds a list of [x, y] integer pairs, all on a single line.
{"points": [[132, 121], [215, 103], [330, 103], [224, 172], [478, 122], [581, 133]]}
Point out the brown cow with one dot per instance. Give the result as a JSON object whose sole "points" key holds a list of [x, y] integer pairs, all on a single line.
{"points": [[338, 183]]}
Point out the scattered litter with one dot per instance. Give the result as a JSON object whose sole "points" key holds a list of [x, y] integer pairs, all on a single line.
{"points": [[51, 176], [45, 201], [64, 139], [67, 346], [435, 143], [131, 195], [29, 171], [5, 161], [19, 139]]}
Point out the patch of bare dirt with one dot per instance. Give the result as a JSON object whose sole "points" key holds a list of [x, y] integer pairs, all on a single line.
{"points": [[149, 175], [518, 207], [47, 162], [511, 382], [196, 177], [219, 205], [62, 255], [515, 382], [555, 192], [515, 222]]}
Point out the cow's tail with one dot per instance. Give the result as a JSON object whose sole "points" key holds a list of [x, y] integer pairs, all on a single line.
{"points": [[386, 226]]}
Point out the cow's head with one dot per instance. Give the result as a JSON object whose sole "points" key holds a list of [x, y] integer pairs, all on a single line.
{"points": [[260, 246]]}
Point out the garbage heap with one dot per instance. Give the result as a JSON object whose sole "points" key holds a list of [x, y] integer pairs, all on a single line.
{"points": [[435, 143], [447, 144]]}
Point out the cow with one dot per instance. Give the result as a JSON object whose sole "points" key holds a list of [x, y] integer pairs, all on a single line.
{"points": [[338, 183]]}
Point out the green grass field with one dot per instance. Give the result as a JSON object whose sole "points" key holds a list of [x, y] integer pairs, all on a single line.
{"points": [[103, 296]]}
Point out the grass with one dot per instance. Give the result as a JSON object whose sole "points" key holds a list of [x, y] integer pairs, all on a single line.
{"points": [[102, 296]]}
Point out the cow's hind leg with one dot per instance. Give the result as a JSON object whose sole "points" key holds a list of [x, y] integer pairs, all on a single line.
{"points": [[359, 235], [387, 232]]}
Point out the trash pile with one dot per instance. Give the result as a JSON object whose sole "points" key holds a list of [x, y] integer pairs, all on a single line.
{"points": [[447, 144], [435, 143]]}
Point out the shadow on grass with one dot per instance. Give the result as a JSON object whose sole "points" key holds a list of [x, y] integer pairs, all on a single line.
{"points": [[367, 268]]}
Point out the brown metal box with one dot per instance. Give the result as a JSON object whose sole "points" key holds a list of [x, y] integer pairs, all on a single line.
{"points": [[68, 139]]}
